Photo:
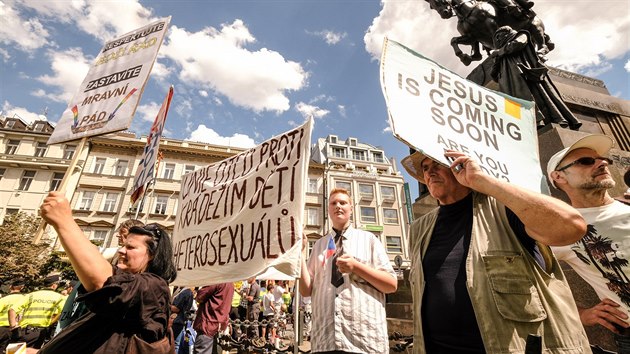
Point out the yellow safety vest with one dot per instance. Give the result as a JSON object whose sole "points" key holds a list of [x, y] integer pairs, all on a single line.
{"points": [[236, 300], [12, 301], [41, 308]]}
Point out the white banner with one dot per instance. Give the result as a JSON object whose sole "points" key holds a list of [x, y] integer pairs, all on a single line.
{"points": [[146, 167], [107, 98], [433, 109], [241, 215]]}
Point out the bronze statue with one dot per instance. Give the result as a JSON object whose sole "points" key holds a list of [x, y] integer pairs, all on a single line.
{"points": [[520, 73], [479, 20]]}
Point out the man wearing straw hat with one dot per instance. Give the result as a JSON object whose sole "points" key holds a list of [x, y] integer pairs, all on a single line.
{"points": [[482, 278]]}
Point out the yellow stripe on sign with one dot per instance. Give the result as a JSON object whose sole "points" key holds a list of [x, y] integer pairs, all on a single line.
{"points": [[512, 108]]}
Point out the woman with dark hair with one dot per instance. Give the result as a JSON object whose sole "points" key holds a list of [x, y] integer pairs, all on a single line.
{"points": [[129, 304]]}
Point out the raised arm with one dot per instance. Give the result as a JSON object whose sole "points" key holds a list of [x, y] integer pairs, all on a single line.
{"points": [[90, 266], [546, 219], [306, 285]]}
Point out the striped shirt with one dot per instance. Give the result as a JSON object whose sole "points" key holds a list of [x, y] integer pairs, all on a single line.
{"points": [[351, 317]]}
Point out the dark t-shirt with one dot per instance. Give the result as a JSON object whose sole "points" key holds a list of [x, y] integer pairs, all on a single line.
{"points": [[448, 318], [127, 304], [183, 301]]}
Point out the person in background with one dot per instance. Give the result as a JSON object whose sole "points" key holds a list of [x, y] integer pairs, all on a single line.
{"points": [[347, 277], [269, 314], [41, 312], [212, 315], [483, 280], [11, 308], [234, 312], [181, 306], [128, 304], [601, 256]]}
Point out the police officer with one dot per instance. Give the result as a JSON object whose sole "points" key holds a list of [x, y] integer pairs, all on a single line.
{"points": [[41, 313], [11, 307]]}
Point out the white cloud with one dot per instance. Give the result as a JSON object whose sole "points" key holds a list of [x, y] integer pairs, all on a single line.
{"points": [[26, 34], [160, 71], [387, 129], [5, 55], [217, 101], [307, 110], [69, 68], [330, 37], [256, 80], [207, 135], [9, 110], [148, 112], [586, 34], [342, 110], [203, 93], [184, 107], [627, 66]]}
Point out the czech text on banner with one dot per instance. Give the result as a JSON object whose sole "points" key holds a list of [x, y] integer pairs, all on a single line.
{"points": [[107, 98], [244, 214], [146, 167], [432, 109]]}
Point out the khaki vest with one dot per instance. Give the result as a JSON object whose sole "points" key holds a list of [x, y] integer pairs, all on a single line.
{"points": [[512, 296]]}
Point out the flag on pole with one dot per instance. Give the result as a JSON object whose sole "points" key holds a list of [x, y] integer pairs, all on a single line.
{"points": [[330, 250], [146, 168]]}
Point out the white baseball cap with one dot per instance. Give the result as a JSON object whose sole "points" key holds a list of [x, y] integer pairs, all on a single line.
{"points": [[598, 142]]}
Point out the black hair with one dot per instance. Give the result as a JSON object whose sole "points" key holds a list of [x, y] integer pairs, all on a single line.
{"points": [[161, 250]]}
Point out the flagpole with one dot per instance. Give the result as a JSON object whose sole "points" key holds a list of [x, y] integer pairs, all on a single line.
{"points": [[62, 187], [153, 181]]}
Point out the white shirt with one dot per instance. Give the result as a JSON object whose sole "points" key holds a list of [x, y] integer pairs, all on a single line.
{"points": [[351, 317], [602, 256]]}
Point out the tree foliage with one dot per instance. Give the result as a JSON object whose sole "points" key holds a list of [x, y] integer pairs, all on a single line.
{"points": [[21, 258]]}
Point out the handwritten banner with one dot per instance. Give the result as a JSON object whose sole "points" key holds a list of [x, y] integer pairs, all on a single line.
{"points": [[433, 109], [241, 215], [107, 98]]}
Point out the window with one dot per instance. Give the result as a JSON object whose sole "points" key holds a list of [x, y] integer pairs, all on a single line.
{"points": [[99, 236], [86, 201], [26, 180], [12, 146], [160, 205], [189, 168], [99, 163], [390, 216], [10, 124], [121, 167], [366, 191], [312, 216], [110, 202], [2, 171], [368, 215], [133, 209], [312, 185], [378, 157], [68, 152], [40, 149], [169, 170], [358, 154], [394, 244], [39, 127], [11, 211], [339, 152], [388, 193], [344, 185], [56, 181]]}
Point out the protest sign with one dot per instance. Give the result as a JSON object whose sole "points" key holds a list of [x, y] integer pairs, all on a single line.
{"points": [[107, 98], [146, 167], [433, 109], [241, 215]]}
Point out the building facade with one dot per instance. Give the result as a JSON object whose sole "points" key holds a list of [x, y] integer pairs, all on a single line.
{"points": [[100, 189]]}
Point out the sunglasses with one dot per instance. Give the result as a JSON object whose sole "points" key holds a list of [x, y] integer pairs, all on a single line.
{"points": [[152, 230], [585, 161]]}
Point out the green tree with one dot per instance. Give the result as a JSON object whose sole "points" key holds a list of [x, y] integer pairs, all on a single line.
{"points": [[21, 258]]}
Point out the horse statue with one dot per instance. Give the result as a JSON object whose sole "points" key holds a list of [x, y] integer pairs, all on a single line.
{"points": [[478, 21]]}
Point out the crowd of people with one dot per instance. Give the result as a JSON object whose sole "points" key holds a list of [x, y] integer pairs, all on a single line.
{"points": [[484, 272]]}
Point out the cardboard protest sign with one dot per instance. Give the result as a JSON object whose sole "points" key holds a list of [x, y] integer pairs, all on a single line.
{"points": [[433, 109], [146, 167], [107, 98], [241, 215]]}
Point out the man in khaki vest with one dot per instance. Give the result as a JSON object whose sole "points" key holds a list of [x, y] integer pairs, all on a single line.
{"points": [[483, 280]]}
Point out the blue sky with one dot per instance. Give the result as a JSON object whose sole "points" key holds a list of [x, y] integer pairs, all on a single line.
{"points": [[246, 70]]}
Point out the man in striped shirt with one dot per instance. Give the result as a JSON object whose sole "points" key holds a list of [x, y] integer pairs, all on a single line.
{"points": [[349, 315]]}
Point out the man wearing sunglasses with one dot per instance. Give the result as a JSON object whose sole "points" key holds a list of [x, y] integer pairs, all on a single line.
{"points": [[601, 256]]}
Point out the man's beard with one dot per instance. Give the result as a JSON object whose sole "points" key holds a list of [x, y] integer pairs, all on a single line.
{"points": [[603, 184]]}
